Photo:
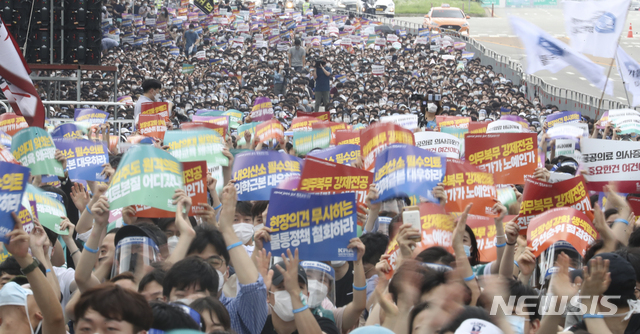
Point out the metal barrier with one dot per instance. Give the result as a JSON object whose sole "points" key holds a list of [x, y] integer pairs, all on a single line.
{"points": [[565, 99], [116, 125]]}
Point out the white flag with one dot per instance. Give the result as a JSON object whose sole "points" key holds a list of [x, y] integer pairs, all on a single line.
{"points": [[630, 73], [547, 53], [594, 27]]}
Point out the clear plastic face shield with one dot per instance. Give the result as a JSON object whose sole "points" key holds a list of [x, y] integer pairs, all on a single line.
{"points": [[134, 254], [321, 282]]}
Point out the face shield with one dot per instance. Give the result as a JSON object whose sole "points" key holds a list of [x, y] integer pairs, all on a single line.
{"points": [[321, 284], [134, 254]]}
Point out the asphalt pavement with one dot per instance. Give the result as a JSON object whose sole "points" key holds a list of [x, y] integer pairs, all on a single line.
{"points": [[495, 33]]}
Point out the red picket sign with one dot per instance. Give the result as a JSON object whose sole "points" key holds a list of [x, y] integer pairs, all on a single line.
{"points": [[465, 184], [561, 224]]}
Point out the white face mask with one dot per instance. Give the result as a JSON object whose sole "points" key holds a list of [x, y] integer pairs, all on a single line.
{"points": [[244, 231], [517, 323], [172, 242], [257, 228], [317, 293], [283, 306], [220, 280], [338, 264]]}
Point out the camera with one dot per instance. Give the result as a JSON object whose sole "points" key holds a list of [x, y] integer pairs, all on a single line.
{"points": [[320, 63]]}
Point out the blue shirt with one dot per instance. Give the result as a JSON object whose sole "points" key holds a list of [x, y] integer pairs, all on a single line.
{"points": [[248, 310], [322, 81], [190, 37]]}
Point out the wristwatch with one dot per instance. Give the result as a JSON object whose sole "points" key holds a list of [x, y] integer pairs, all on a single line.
{"points": [[35, 264]]}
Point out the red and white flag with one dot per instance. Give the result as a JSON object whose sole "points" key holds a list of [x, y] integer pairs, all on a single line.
{"points": [[15, 82]]}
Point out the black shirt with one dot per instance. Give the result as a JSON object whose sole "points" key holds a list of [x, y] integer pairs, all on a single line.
{"points": [[326, 325], [344, 288]]}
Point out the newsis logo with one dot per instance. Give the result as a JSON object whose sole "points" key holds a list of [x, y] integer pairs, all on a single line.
{"points": [[552, 305], [345, 252]]}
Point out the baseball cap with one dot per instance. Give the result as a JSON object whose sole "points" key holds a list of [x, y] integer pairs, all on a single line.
{"points": [[277, 275], [477, 326], [623, 276]]}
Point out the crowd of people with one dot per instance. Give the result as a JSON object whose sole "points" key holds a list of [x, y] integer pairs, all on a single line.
{"points": [[212, 274]]}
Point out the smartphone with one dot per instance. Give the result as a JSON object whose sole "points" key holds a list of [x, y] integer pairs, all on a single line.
{"points": [[438, 97], [411, 215]]}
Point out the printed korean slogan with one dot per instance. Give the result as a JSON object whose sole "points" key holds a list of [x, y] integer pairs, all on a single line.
{"points": [[453, 122], [269, 130], [436, 229], [347, 137], [503, 126], [305, 141], [334, 126], [262, 110], [342, 154], [303, 123], [562, 118], [152, 126], [5, 139], [13, 182], [221, 130], [196, 145], [34, 148], [156, 108], [49, 209], [67, 131], [90, 115], [250, 127], [540, 196], [319, 226], [484, 228], [611, 161], [561, 224], [12, 123], [478, 127], [407, 121], [465, 184], [443, 144], [325, 177], [235, 117], [147, 176], [403, 171], [84, 158], [194, 178], [257, 172], [508, 156], [323, 116], [219, 120], [376, 138]]}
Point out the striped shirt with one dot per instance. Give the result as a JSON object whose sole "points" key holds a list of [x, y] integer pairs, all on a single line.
{"points": [[248, 310]]}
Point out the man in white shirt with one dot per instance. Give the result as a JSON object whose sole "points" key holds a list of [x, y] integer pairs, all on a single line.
{"points": [[151, 93]]}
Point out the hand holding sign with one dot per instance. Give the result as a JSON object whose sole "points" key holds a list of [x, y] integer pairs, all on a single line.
{"points": [[18, 244]]}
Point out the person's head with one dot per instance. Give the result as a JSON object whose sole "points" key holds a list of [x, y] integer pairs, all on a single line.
{"points": [[610, 215], [279, 298], [151, 285], [525, 317], [18, 304], [214, 315], [108, 306], [125, 280], [151, 87], [623, 279], [436, 255], [297, 42], [9, 269], [189, 279], [471, 246], [167, 317], [375, 245], [259, 212], [209, 245]]}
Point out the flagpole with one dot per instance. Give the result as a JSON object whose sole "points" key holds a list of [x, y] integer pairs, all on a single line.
{"points": [[624, 84], [610, 67]]}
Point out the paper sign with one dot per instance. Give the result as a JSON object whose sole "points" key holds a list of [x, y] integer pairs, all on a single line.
{"points": [[478, 127], [465, 184], [347, 137], [221, 130], [156, 108], [147, 176], [269, 130], [67, 131], [84, 158], [152, 126], [12, 123], [503, 126], [262, 110], [303, 123], [484, 229], [319, 226], [305, 141], [257, 172], [194, 178], [13, 183], [34, 148], [452, 122], [345, 154], [377, 137], [196, 145], [441, 143], [562, 118], [407, 121], [540, 196], [508, 156], [323, 116], [49, 209], [611, 161], [90, 115], [404, 170], [562, 224]]}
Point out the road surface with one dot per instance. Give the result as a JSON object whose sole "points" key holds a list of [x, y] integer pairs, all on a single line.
{"points": [[495, 33]]}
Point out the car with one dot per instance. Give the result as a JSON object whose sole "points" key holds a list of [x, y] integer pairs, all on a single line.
{"points": [[324, 5], [379, 7], [446, 17], [635, 5], [350, 5]]}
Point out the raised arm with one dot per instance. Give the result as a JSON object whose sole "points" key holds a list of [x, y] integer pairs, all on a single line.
{"points": [[84, 277]]}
